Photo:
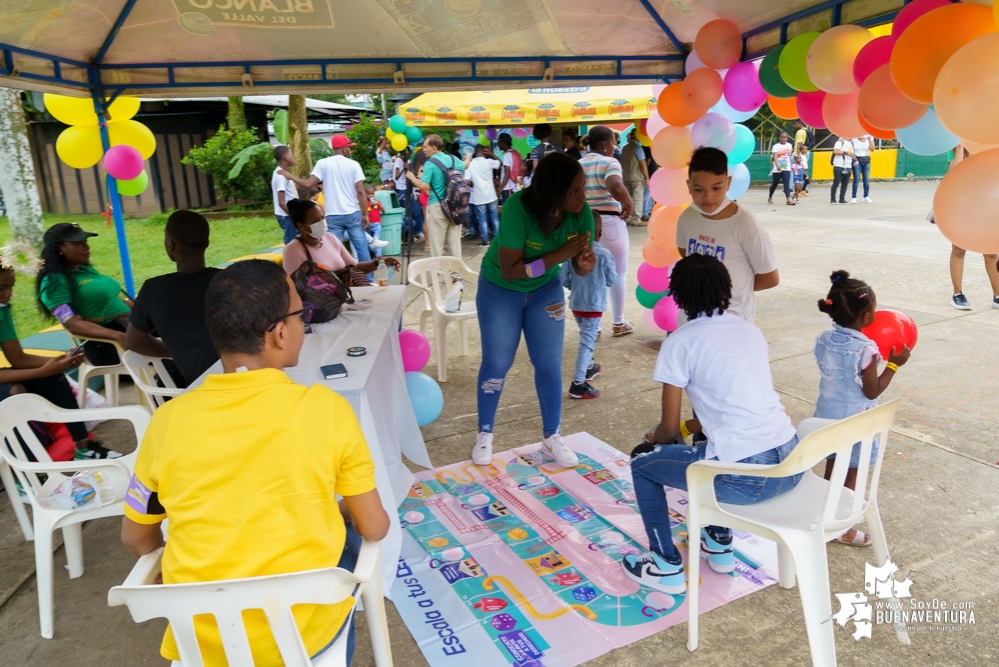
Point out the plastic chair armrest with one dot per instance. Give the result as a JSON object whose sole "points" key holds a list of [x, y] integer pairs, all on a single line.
{"points": [[145, 569], [69, 466], [367, 560], [109, 341]]}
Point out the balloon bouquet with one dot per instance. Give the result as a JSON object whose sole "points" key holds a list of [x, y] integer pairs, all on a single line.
{"points": [[80, 146], [401, 135], [425, 394]]}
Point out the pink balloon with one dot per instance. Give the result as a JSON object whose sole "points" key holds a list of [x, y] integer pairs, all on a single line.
{"points": [[665, 313], [913, 11], [522, 132], [810, 109], [875, 53], [714, 130], [653, 279], [692, 62], [669, 187], [655, 124], [123, 162], [743, 91], [415, 350], [650, 321]]}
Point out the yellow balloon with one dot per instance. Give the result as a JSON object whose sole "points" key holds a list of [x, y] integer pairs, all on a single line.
{"points": [[389, 132], [79, 146], [71, 110], [123, 108], [132, 133], [399, 142]]}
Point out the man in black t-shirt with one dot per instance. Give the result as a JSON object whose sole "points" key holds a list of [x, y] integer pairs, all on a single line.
{"points": [[173, 306]]}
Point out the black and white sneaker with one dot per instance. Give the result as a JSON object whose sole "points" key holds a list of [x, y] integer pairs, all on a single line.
{"points": [[583, 390], [95, 450], [594, 370], [653, 571], [960, 302], [995, 302]]}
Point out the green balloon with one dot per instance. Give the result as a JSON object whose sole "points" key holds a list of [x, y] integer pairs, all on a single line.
{"points": [[398, 124], [792, 62], [770, 77], [649, 299], [483, 139], [414, 135], [134, 187]]}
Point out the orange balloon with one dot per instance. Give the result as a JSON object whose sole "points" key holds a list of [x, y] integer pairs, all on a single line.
{"points": [[672, 147], [659, 257], [882, 105], [662, 226], [965, 203], [702, 88], [874, 131], [718, 44], [841, 116], [673, 109], [966, 93], [784, 108], [924, 47], [975, 148]]}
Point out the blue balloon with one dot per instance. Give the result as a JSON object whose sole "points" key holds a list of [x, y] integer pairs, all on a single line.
{"points": [[745, 144], [425, 395], [739, 185], [414, 135], [733, 115], [927, 136], [397, 123]]}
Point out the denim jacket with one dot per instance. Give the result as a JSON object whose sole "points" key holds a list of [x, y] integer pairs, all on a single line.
{"points": [[589, 292], [840, 352]]}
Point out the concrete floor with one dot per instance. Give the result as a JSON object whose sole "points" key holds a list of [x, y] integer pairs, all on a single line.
{"points": [[938, 484]]}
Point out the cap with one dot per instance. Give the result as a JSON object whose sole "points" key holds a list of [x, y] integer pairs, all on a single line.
{"points": [[341, 141], [65, 231]]}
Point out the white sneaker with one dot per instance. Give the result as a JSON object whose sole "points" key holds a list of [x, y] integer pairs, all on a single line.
{"points": [[564, 456], [378, 243], [868, 200], [853, 201], [482, 453]]}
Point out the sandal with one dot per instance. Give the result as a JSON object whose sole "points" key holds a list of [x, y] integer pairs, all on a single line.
{"points": [[860, 539], [623, 329]]}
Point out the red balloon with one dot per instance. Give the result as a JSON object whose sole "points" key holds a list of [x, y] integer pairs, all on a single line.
{"points": [[891, 328], [810, 108], [875, 53], [913, 11], [873, 131]]}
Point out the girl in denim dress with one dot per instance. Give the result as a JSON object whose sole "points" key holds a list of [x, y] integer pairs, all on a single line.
{"points": [[848, 361]]}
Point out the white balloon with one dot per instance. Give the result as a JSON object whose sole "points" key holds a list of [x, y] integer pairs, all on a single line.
{"points": [[733, 115], [657, 89], [692, 62], [654, 124], [740, 181]]}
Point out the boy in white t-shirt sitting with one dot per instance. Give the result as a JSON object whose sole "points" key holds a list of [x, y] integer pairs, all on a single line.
{"points": [[716, 226], [722, 361]]}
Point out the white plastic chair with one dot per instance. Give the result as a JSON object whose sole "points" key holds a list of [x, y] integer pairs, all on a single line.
{"points": [[15, 412], [144, 371], [17, 501], [274, 594], [802, 520], [427, 274], [88, 370]]}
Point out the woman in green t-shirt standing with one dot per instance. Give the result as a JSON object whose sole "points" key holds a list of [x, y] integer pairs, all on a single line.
{"points": [[520, 291], [84, 301]]}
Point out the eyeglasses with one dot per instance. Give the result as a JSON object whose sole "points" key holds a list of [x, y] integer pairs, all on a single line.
{"points": [[305, 313]]}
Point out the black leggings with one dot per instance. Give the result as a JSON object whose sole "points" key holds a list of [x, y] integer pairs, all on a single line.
{"points": [[56, 390], [781, 177]]}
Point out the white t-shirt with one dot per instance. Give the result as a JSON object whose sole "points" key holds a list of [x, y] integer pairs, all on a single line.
{"points": [[804, 160], [723, 363], [508, 162], [398, 164], [861, 147], [843, 161], [783, 154], [741, 243], [339, 176], [281, 184], [480, 172]]}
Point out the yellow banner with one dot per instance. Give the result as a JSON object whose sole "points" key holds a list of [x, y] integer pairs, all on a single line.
{"points": [[580, 105]]}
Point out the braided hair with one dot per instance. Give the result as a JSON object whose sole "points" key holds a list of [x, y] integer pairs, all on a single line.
{"points": [[700, 284], [848, 299]]}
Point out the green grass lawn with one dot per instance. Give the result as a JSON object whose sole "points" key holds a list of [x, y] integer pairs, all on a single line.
{"points": [[230, 239]]}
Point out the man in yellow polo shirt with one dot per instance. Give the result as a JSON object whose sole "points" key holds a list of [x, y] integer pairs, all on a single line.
{"points": [[247, 467]]}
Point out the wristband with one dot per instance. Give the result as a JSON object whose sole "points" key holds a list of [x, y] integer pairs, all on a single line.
{"points": [[892, 367], [684, 431], [63, 313], [535, 269]]}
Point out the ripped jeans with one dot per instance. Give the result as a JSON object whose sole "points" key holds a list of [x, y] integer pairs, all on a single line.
{"points": [[503, 315], [667, 466]]}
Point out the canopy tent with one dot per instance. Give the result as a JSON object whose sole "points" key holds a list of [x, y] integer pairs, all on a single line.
{"points": [[581, 105]]}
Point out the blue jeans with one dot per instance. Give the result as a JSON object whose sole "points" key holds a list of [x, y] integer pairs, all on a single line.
{"points": [[488, 219], [375, 229], [648, 203], [350, 226], [348, 561], [589, 327], [417, 216], [667, 465], [288, 227], [503, 315], [401, 196], [864, 169]]}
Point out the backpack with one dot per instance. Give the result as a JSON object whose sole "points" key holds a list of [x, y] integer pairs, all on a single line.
{"points": [[457, 192], [515, 167], [323, 289], [809, 138]]}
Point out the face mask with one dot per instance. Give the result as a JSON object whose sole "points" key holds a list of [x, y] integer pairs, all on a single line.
{"points": [[317, 229], [721, 207], [4, 305]]}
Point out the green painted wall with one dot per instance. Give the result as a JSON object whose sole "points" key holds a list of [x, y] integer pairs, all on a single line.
{"points": [[921, 166]]}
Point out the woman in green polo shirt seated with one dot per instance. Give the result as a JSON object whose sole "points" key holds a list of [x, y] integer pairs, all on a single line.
{"points": [[45, 376], [72, 291], [520, 291]]}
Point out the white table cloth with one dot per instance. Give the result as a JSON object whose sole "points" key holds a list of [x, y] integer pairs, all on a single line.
{"points": [[376, 389]]}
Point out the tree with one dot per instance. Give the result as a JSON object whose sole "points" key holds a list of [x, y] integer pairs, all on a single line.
{"points": [[298, 135], [216, 156], [17, 171], [236, 117]]}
